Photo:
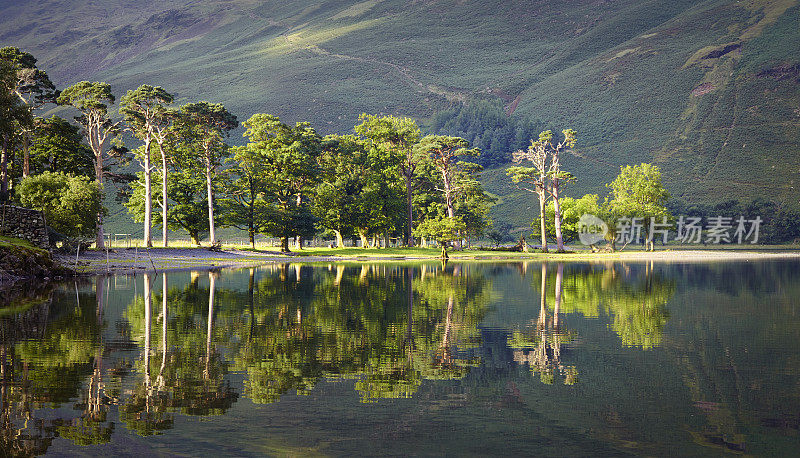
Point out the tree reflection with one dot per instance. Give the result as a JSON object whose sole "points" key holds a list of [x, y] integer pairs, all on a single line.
{"points": [[173, 380], [542, 351], [378, 325]]}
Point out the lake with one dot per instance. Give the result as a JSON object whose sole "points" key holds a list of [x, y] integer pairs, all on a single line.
{"points": [[516, 358]]}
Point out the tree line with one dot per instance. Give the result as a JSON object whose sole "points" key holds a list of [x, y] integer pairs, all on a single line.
{"points": [[385, 179], [288, 181]]}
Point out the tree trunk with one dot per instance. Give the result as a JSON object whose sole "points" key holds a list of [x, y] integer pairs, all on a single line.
{"points": [[98, 172], [148, 197], [252, 233], [423, 242], [339, 239], [299, 237], [26, 154], [409, 237], [285, 245], [362, 234], [4, 170], [211, 234], [164, 203], [557, 219], [195, 236], [542, 221]]}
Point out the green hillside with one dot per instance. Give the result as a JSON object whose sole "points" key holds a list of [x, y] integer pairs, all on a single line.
{"points": [[708, 90]]}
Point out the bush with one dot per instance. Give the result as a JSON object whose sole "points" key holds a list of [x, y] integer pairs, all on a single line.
{"points": [[70, 204]]}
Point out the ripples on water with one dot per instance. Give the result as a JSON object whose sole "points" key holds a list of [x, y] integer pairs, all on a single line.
{"points": [[397, 359]]}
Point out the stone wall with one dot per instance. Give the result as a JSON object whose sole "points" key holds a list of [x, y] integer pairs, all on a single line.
{"points": [[24, 223]]}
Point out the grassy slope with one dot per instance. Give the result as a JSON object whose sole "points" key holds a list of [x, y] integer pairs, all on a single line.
{"points": [[621, 73]]}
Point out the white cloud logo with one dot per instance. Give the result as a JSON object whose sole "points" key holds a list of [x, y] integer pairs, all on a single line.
{"points": [[591, 229]]}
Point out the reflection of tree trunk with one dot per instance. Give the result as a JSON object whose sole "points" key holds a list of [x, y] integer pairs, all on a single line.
{"points": [[148, 312], [164, 319], [362, 277], [251, 300], [445, 348], [410, 297], [339, 274], [211, 288], [297, 268], [559, 278], [95, 383], [543, 294]]}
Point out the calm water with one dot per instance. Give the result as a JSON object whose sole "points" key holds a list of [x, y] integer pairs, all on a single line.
{"points": [[612, 359]]}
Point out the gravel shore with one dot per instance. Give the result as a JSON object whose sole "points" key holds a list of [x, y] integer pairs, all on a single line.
{"points": [[137, 260]]}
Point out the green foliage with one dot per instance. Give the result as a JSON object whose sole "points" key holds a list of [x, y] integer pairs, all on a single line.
{"points": [[289, 170], [443, 230], [188, 208], [70, 204], [571, 212], [58, 147], [359, 190], [485, 125], [88, 96]]}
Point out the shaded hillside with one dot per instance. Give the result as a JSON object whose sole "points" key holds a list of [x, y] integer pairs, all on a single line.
{"points": [[709, 90]]}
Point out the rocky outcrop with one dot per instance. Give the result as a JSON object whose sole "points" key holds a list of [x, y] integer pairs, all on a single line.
{"points": [[19, 260]]}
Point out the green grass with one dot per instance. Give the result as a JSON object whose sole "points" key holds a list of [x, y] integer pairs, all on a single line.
{"points": [[14, 242]]}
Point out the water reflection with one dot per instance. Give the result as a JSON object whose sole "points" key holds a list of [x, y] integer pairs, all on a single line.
{"points": [[91, 359]]}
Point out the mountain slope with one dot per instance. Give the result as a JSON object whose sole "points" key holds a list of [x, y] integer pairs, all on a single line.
{"points": [[708, 90]]}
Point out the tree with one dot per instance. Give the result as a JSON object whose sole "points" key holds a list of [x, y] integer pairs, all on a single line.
{"points": [[70, 204], [533, 179], [442, 151], [189, 210], [637, 192], [571, 212], [92, 99], [34, 89], [443, 229], [557, 177], [58, 146], [206, 125], [243, 206], [398, 136], [344, 164], [545, 177], [14, 116], [290, 169], [144, 112]]}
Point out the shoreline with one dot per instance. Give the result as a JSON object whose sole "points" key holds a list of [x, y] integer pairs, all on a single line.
{"points": [[130, 260]]}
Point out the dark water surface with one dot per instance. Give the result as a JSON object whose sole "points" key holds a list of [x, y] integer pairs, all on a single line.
{"points": [[398, 359]]}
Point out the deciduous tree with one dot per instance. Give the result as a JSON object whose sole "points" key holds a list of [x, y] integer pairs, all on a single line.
{"points": [[398, 135]]}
